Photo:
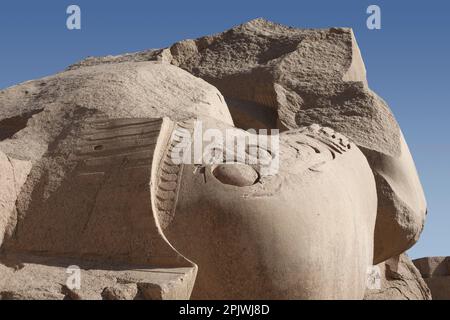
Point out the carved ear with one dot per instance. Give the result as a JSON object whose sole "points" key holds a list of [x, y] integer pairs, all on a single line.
{"points": [[167, 168]]}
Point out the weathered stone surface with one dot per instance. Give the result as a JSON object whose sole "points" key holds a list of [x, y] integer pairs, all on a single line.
{"points": [[82, 187], [13, 175], [275, 76], [436, 273], [40, 278], [90, 178], [433, 266], [131, 90], [400, 280]]}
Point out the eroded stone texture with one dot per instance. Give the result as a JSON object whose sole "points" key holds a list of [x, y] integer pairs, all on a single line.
{"points": [[129, 90], [436, 273], [89, 178], [40, 278], [275, 76], [76, 176], [91, 196], [90, 204], [13, 175], [400, 280]]}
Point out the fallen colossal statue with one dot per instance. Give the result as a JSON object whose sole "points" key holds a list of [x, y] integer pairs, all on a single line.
{"points": [[88, 176]]}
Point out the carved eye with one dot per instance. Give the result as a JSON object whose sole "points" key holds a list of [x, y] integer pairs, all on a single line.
{"points": [[236, 174]]}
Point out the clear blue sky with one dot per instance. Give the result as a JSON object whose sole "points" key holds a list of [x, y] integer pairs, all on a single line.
{"points": [[407, 60]]}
